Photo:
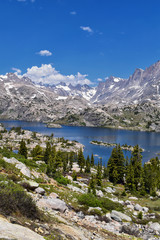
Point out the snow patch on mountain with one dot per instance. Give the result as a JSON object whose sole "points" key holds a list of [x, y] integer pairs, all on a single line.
{"points": [[61, 98]]}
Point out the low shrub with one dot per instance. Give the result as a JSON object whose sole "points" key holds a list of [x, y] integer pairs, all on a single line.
{"points": [[89, 200], [124, 194], [95, 212], [109, 205], [9, 168], [14, 200], [106, 204], [74, 175], [140, 215], [63, 180], [14, 177]]}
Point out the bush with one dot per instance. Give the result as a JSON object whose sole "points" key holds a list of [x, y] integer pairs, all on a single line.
{"points": [[74, 175], [106, 204], [14, 200], [123, 194], [9, 168], [89, 200], [109, 205], [95, 212], [14, 177], [140, 215], [60, 179]]}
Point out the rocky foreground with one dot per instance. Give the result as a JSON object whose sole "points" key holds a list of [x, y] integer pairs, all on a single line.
{"points": [[67, 220], [67, 210]]}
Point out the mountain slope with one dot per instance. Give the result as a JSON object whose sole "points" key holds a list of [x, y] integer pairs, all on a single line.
{"points": [[104, 105]]}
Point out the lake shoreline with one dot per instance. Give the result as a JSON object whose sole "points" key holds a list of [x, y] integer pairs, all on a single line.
{"points": [[58, 123], [84, 135]]}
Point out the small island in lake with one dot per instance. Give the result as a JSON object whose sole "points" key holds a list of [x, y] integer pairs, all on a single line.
{"points": [[124, 146], [53, 125]]}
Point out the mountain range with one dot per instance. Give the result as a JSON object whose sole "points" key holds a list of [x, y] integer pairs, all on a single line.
{"points": [[110, 104]]}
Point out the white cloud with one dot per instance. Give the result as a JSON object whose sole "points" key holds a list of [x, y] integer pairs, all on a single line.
{"points": [[16, 71], [99, 79], [87, 29], [47, 74], [44, 53], [73, 13]]}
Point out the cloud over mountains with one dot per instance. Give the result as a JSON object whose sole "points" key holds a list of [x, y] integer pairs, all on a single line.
{"points": [[47, 74]]}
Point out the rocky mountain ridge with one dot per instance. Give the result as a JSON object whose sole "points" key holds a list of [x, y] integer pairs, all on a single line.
{"points": [[103, 105]]}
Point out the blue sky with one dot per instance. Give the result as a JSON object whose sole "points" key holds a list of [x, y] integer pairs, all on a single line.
{"points": [[97, 38]]}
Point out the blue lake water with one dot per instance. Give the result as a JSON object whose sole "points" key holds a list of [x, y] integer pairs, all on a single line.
{"points": [[150, 141]]}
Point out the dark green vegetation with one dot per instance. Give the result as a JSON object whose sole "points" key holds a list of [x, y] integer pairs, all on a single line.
{"points": [[14, 200], [91, 200], [135, 177]]}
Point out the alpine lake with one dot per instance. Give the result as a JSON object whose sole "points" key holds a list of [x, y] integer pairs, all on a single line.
{"points": [[149, 141]]}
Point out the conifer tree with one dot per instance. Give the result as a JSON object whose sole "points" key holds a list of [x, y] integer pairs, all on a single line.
{"points": [[37, 153], [87, 168], [64, 164], [50, 166], [130, 183], [71, 159], [23, 148], [92, 160], [47, 152], [136, 161], [116, 165], [53, 151], [105, 172], [81, 159], [120, 165], [112, 165], [99, 175], [91, 187], [152, 176], [58, 161]]}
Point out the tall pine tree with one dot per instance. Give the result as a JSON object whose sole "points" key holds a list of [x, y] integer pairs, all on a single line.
{"points": [[116, 166], [23, 148], [81, 159]]}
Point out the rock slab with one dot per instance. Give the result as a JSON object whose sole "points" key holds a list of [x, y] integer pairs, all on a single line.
{"points": [[15, 231], [52, 203], [118, 216]]}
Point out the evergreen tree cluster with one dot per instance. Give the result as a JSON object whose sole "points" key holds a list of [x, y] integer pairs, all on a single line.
{"points": [[131, 173], [59, 161]]}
